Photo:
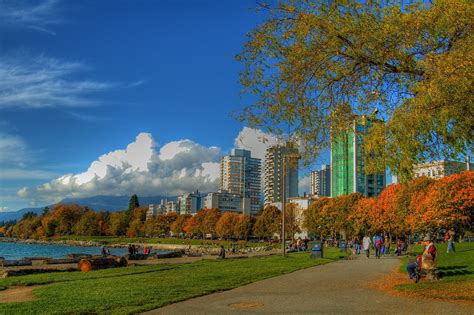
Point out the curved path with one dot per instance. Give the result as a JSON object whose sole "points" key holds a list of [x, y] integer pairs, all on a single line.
{"points": [[335, 288]]}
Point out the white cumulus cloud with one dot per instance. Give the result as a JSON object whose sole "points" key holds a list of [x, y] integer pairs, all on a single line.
{"points": [[256, 141], [178, 167], [148, 169]]}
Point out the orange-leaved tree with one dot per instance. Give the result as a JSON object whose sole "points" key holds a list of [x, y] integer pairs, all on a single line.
{"points": [[178, 225], [417, 194], [209, 221], [449, 203], [292, 220], [244, 226], [225, 225], [360, 216], [268, 222], [386, 216], [315, 219]]}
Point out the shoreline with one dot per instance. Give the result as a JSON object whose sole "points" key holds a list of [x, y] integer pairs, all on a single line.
{"points": [[201, 249]]}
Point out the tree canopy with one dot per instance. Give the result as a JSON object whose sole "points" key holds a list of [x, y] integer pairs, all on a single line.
{"points": [[313, 65]]}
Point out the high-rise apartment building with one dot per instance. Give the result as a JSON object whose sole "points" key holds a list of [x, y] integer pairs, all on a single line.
{"points": [[321, 181], [240, 174], [347, 162], [274, 165]]}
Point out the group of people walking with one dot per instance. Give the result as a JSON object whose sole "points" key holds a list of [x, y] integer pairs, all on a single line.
{"points": [[379, 243]]}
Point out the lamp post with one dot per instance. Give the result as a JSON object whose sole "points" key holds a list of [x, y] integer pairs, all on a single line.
{"points": [[291, 158], [283, 205]]}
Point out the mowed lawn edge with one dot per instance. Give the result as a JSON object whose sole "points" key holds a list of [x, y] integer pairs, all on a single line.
{"points": [[456, 272], [138, 289]]}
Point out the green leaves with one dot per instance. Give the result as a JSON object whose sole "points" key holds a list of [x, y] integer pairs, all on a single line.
{"points": [[413, 62]]}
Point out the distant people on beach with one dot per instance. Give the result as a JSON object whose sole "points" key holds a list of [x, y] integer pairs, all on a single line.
{"points": [[132, 251], [222, 252], [105, 251]]}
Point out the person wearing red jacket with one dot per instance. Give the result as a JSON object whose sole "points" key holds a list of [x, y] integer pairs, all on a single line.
{"points": [[427, 257]]}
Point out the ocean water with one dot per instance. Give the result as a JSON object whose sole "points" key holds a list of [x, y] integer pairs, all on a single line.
{"points": [[18, 250]]}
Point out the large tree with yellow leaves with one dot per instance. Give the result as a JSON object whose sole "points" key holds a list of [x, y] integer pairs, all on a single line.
{"points": [[313, 65]]}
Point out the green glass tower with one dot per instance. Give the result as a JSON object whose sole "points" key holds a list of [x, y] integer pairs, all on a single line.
{"points": [[347, 162]]}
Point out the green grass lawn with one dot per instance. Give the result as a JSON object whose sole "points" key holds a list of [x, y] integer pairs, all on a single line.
{"points": [[107, 240], [136, 289], [455, 269]]}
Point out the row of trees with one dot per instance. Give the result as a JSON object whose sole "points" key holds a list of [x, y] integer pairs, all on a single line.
{"points": [[71, 219], [421, 206]]}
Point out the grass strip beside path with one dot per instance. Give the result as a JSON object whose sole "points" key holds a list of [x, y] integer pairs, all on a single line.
{"points": [[137, 289], [455, 269]]}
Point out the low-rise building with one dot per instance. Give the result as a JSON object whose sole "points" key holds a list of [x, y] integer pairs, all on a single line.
{"points": [[171, 206], [226, 201], [302, 204], [438, 169], [165, 206], [155, 209], [189, 203]]}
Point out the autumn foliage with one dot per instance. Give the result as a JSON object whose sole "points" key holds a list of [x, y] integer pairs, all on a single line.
{"points": [[423, 205]]}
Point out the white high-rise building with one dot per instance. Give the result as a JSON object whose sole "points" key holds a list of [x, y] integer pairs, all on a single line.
{"points": [[321, 181], [240, 174], [274, 158]]}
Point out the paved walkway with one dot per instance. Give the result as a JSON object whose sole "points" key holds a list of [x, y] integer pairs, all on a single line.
{"points": [[335, 288]]}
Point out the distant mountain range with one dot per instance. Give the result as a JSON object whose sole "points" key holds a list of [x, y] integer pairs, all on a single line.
{"points": [[109, 203]]}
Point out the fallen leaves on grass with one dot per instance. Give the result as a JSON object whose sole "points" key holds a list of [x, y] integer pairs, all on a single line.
{"points": [[395, 284]]}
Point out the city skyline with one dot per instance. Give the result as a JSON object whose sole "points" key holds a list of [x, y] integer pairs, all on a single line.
{"points": [[77, 95]]}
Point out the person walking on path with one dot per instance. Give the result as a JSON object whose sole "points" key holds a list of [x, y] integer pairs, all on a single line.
{"points": [[386, 246], [366, 245], [451, 242], [356, 243], [378, 242]]}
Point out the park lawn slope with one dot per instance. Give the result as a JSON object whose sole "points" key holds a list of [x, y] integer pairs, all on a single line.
{"points": [[456, 271], [131, 290]]}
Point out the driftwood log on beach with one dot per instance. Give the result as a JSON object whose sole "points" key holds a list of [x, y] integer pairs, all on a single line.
{"points": [[11, 263], [89, 264]]}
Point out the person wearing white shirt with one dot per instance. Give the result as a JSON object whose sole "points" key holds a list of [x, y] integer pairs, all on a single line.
{"points": [[366, 245]]}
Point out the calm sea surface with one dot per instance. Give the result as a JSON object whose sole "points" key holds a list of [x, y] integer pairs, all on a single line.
{"points": [[18, 250]]}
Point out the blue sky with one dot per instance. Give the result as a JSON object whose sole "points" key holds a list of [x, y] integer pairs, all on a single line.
{"points": [[86, 78]]}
